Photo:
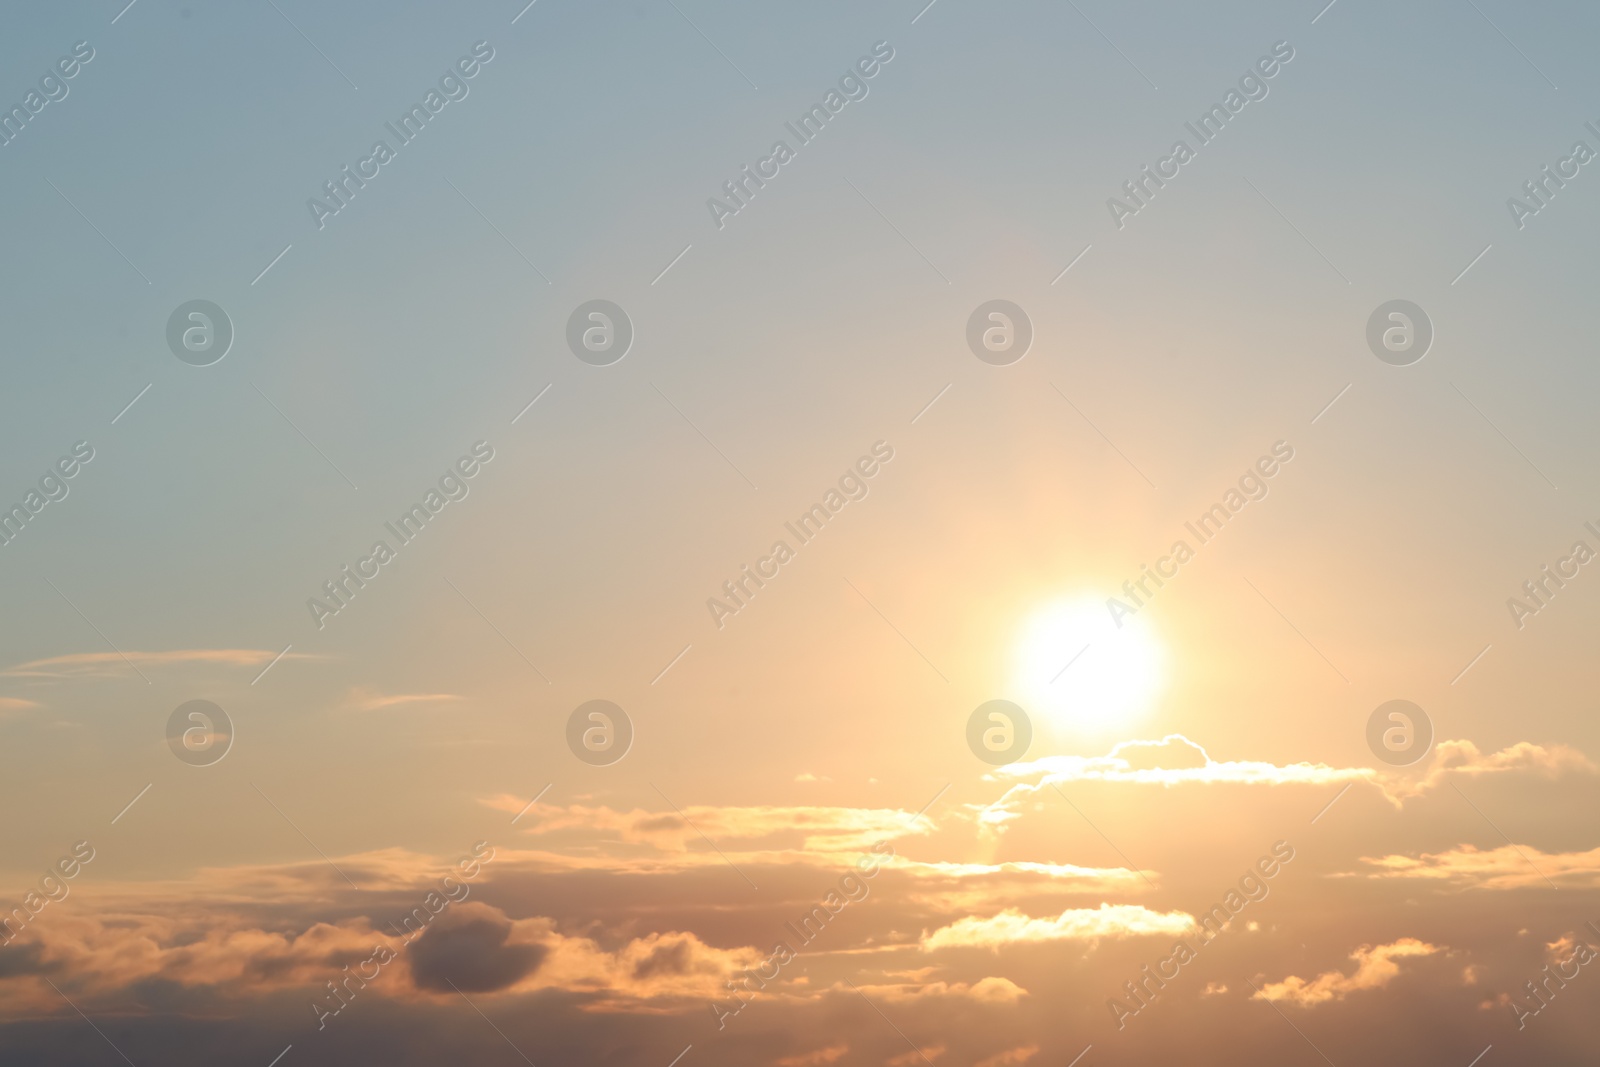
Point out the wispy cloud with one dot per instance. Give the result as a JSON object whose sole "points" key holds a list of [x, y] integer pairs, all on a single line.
{"points": [[362, 699], [829, 1054], [1464, 758], [1506, 867], [821, 829], [1376, 967], [1010, 1057], [1176, 760], [113, 664], [989, 990]]}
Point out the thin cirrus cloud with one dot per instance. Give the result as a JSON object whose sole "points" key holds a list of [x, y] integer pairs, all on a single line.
{"points": [[1009, 1057], [832, 835], [1376, 967], [823, 828], [1506, 867], [991, 989], [115, 664], [361, 698]]}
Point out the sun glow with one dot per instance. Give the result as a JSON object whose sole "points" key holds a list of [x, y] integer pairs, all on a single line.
{"points": [[1078, 670]]}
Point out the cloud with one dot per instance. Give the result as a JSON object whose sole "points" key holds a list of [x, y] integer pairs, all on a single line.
{"points": [[909, 1059], [1506, 867], [821, 829], [811, 1059], [1464, 758], [1010, 1057], [361, 698], [1012, 927], [115, 664], [1176, 760], [23, 959], [468, 949], [272, 928], [1173, 760], [989, 990], [8, 705], [1375, 968], [596, 838]]}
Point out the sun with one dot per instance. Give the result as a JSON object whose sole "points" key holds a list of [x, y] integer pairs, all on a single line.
{"points": [[1080, 671]]}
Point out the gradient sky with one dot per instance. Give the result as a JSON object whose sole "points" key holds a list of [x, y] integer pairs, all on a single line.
{"points": [[772, 752]]}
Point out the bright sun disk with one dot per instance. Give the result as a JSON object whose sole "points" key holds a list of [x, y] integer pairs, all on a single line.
{"points": [[1077, 669]]}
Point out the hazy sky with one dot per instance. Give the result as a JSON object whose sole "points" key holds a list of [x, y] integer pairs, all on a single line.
{"points": [[1202, 345]]}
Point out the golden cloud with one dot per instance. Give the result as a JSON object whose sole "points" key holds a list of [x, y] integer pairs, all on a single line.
{"points": [[989, 990], [1376, 967], [823, 829], [1506, 867], [1010, 1057], [1012, 927], [811, 1059]]}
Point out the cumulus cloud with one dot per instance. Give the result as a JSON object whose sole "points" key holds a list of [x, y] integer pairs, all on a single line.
{"points": [[1376, 967], [1012, 927], [468, 948], [272, 928]]}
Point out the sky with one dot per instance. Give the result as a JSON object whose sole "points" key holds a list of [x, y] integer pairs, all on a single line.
{"points": [[1198, 475]]}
